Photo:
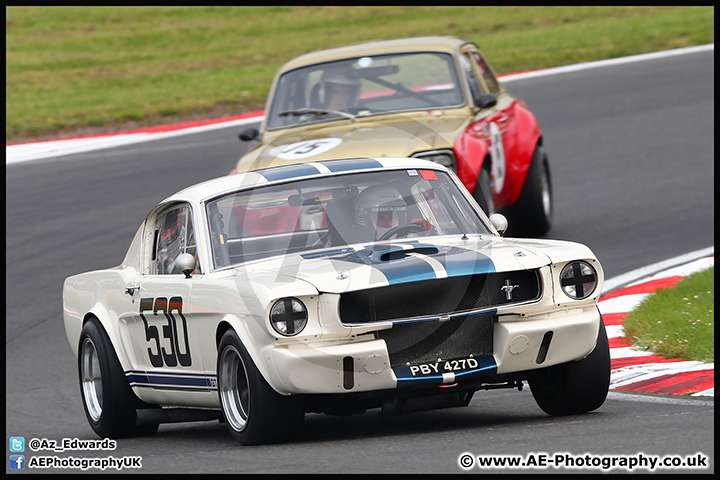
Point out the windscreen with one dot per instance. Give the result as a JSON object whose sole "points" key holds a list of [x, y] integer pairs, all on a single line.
{"points": [[368, 85], [337, 211]]}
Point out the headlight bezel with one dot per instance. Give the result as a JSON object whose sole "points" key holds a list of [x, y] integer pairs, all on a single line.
{"points": [[568, 274], [290, 323]]}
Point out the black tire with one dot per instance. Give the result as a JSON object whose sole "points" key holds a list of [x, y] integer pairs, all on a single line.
{"points": [[254, 413], [531, 215], [108, 400], [483, 192], [574, 387]]}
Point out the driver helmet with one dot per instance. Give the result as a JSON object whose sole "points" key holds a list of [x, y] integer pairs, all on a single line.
{"points": [[338, 89], [171, 241], [381, 208]]}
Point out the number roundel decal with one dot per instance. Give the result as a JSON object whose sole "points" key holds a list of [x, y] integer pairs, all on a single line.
{"points": [[497, 156], [305, 149]]}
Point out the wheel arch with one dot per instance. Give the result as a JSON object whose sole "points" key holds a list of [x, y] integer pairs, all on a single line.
{"points": [[528, 139], [110, 325], [468, 147], [261, 354]]}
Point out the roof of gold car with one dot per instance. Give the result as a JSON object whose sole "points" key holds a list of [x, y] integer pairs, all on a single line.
{"points": [[432, 43]]}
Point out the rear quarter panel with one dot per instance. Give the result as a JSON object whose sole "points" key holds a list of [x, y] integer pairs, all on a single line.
{"points": [[526, 137], [471, 148], [99, 294]]}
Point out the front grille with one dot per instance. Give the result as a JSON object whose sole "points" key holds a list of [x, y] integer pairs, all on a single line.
{"points": [[444, 296], [417, 342]]}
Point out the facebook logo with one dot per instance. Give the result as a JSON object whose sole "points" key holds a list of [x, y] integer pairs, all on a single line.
{"points": [[17, 444], [17, 462]]}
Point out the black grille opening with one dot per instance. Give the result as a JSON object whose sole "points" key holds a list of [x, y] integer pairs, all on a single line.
{"points": [[437, 297]]}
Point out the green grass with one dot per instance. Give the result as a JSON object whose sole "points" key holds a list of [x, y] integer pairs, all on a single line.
{"points": [[69, 68], [678, 322]]}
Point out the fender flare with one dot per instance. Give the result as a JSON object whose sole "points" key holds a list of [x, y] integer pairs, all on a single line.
{"points": [[529, 137], [112, 330], [261, 357], [470, 155]]}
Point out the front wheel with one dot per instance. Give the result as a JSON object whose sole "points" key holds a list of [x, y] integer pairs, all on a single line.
{"points": [[574, 387], [254, 412], [109, 402]]}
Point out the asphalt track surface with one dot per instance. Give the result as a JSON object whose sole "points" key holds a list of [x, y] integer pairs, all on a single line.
{"points": [[631, 149]]}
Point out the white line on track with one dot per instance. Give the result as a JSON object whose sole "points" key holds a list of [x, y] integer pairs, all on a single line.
{"points": [[652, 398], [683, 265], [621, 304], [639, 373], [607, 63], [25, 152], [628, 352], [663, 269], [39, 150]]}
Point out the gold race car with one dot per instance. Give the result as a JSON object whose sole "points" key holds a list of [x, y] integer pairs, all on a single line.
{"points": [[434, 98]]}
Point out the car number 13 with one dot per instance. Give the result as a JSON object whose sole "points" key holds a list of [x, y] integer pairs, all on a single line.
{"points": [[170, 332]]}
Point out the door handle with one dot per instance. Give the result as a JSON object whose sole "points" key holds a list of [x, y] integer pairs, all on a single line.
{"points": [[130, 290]]}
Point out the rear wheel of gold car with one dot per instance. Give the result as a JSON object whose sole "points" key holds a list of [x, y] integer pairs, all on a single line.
{"points": [[109, 402], [532, 214], [254, 412], [574, 387]]}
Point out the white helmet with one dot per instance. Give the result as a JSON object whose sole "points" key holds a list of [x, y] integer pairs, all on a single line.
{"points": [[335, 77], [381, 208]]}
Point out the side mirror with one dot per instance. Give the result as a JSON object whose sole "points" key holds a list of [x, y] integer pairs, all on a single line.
{"points": [[249, 133], [499, 221], [486, 100], [186, 264]]}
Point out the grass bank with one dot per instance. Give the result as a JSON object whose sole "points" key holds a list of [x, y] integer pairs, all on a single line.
{"points": [[678, 322], [75, 70]]}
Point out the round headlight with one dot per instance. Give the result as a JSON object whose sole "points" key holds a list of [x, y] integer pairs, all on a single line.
{"points": [[288, 316], [578, 280]]}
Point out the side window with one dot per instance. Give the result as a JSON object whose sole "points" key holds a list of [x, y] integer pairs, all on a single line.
{"points": [[174, 234], [490, 80], [476, 88]]}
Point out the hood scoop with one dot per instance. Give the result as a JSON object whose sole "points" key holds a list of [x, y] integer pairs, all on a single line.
{"points": [[394, 252]]}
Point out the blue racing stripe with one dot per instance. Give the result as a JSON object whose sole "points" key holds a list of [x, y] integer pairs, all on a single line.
{"points": [[459, 262], [182, 389], [413, 268], [172, 381], [289, 171], [410, 269], [400, 270], [351, 164]]}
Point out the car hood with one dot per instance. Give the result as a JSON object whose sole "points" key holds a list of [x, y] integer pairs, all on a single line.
{"points": [[359, 267], [398, 136]]}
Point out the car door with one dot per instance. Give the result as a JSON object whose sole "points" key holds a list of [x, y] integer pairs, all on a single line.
{"points": [[495, 125], [164, 337]]}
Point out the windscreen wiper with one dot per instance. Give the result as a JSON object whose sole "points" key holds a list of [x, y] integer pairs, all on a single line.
{"points": [[316, 111]]}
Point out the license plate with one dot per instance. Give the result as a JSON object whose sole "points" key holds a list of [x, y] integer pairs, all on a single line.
{"points": [[443, 366]]}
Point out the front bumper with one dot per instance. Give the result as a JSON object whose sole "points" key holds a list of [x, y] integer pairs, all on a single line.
{"points": [[519, 344]]}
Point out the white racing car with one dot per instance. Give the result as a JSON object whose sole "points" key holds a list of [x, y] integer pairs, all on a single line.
{"points": [[332, 287]]}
